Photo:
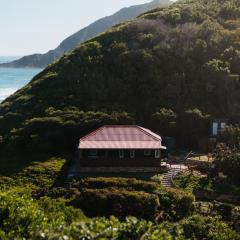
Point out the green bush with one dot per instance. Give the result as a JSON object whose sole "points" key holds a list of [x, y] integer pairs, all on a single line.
{"points": [[199, 228], [55, 193], [24, 218], [125, 196], [126, 183], [101, 228], [225, 210], [231, 136], [191, 182], [227, 163], [117, 202], [175, 204], [21, 216]]}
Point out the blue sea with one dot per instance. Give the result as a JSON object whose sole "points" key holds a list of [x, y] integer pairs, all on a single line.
{"points": [[12, 79]]}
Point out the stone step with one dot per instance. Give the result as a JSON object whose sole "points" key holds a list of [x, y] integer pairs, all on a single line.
{"points": [[167, 178]]}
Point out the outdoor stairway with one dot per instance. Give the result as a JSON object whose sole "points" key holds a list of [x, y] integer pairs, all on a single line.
{"points": [[173, 172]]}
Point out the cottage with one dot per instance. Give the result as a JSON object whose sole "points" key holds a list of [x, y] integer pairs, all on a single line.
{"points": [[120, 146]]}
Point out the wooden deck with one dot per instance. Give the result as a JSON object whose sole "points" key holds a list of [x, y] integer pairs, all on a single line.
{"points": [[120, 163]]}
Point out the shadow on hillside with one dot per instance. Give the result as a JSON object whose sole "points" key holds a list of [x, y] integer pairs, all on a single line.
{"points": [[61, 179], [10, 166]]}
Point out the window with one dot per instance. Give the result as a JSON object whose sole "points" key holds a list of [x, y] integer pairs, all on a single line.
{"points": [[121, 153], [132, 153], [223, 125], [157, 153], [147, 152], [93, 153]]}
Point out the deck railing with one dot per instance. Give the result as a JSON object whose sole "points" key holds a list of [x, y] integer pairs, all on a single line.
{"points": [[116, 162]]}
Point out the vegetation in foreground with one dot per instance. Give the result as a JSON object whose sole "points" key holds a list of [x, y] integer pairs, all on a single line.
{"points": [[22, 217], [33, 209], [34, 204], [166, 70]]}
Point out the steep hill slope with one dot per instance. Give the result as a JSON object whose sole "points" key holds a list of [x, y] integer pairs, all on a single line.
{"points": [[154, 71], [42, 60]]}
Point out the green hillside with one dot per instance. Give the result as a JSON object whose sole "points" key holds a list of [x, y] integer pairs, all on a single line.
{"points": [[171, 69]]}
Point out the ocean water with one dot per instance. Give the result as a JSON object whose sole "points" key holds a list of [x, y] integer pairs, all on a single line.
{"points": [[12, 79]]}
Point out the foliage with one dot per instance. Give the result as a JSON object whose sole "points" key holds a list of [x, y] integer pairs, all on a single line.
{"points": [[122, 197], [198, 228], [117, 202], [166, 119], [227, 165], [210, 187], [23, 217], [126, 196], [181, 61], [175, 203], [191, 182], [197, 125], [230, 135], [36, 175], [126, 183], [45, 134]]}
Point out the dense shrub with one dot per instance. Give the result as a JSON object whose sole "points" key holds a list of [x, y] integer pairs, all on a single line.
{"points": [[116, 194], [102, 228], [175, 204], [227, 162], [126, 183], [199, 228], [24, 218], [191, 182], [117, 202], [230, 135], [55, 193], [225, 210], [20, 216]]}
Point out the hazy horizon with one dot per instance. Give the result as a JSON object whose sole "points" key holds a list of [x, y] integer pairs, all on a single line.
{"points": [[36, 27]]}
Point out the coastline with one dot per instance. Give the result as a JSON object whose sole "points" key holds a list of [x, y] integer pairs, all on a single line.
{"points": [[12, 79]]}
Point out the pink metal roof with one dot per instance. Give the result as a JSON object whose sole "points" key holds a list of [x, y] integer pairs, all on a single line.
{"points": [[121, 137]]}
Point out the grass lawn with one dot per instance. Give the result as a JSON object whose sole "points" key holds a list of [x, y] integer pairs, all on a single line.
{"points": [[201, 158]]}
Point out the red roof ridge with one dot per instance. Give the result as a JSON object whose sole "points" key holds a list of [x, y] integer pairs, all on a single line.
{"points": [[92, 133], [150, 133], [119, 125]]}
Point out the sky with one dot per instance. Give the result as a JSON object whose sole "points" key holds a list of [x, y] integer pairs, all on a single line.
{"points": [[36, 26]]}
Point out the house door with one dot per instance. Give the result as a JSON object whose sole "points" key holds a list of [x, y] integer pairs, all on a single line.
{"points": [[215, 129]]}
